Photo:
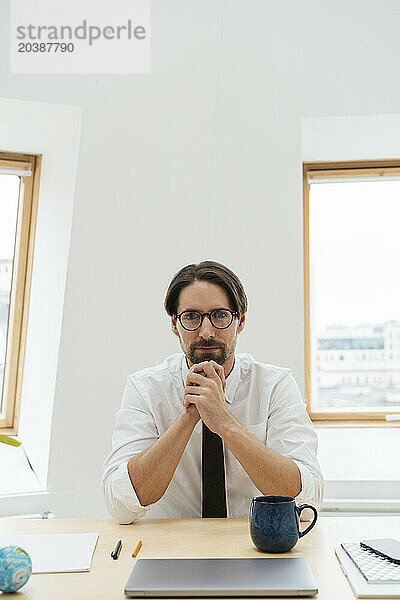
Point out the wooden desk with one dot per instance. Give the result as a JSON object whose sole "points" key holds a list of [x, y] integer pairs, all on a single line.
{"points": [[188, 538]]}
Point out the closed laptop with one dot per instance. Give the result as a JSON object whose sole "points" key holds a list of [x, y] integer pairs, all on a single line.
{"points": [[213, 577]]}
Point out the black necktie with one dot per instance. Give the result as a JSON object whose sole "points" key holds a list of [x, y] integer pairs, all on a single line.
{"points": [[213, 475]]}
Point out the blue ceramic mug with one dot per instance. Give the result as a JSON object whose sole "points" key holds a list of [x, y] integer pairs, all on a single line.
{"points": [[274, 523]]}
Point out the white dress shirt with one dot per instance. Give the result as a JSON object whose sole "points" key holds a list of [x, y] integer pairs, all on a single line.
{"points": [[264, 398]]}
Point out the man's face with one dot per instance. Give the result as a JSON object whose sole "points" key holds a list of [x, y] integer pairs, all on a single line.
{"points": [[207, 342]]}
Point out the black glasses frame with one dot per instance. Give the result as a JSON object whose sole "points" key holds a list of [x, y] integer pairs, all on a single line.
{"points": [[209, 315]]}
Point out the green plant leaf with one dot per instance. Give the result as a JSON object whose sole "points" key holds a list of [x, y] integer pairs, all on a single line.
{"points": [[8, 440]]}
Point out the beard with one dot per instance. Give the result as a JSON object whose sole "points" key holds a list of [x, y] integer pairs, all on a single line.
{"points": [[222, 353]]}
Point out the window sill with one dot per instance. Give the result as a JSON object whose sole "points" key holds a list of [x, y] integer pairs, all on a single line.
{"points": [[373, 423], [360, 462], [17, 475]]}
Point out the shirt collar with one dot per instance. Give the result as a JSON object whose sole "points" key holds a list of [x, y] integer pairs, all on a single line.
{"points": [[232, 380]]}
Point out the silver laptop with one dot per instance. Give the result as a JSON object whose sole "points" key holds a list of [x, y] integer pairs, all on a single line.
{"points": [[374, 577], [212, 577]]}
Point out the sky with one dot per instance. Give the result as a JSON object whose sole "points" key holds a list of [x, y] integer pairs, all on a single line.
{"points": [[354, 252], [9, 190]]}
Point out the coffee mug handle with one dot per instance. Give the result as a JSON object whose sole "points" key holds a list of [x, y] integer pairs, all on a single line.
{"points": [[299, 509]]}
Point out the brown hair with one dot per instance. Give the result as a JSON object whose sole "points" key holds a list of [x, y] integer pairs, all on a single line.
{"points": [[207, 270]]}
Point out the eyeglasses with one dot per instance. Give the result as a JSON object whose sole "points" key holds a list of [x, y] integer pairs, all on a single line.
{"points": [[220, 318]]}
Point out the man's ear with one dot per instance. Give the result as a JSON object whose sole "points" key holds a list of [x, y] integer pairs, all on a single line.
{"points": [[173, 326], [241, 323]]}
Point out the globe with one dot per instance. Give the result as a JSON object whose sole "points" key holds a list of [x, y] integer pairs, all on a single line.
{"points": [[15, 568]]}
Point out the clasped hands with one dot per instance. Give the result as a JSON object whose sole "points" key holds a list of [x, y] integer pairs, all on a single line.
{"points": [[205, 387]]}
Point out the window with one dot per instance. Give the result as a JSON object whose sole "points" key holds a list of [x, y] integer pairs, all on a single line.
{"points": [[19, 182], [352, 290]]}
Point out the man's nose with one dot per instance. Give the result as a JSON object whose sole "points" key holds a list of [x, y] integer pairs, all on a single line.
{"points": [[206, 330]]}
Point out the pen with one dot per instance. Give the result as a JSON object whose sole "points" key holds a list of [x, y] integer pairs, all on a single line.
{"points": [[136, 550], [387, 418], [115, 553]]}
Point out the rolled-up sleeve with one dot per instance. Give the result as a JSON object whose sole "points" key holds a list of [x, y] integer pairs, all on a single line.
{"points": [[291, 433], [134, 431]]}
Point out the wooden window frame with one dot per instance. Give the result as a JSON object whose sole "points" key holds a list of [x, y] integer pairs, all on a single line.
{"points": [[371, 416], [21, 283]]}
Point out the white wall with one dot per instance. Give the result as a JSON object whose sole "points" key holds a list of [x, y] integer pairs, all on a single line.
{"points": [[215, 128], [53, 132]]}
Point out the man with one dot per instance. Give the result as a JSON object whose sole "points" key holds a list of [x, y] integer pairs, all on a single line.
{"points": [[207, 430]]}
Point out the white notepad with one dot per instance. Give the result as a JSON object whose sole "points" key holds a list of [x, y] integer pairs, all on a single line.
{"points": [[56, 552]]}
